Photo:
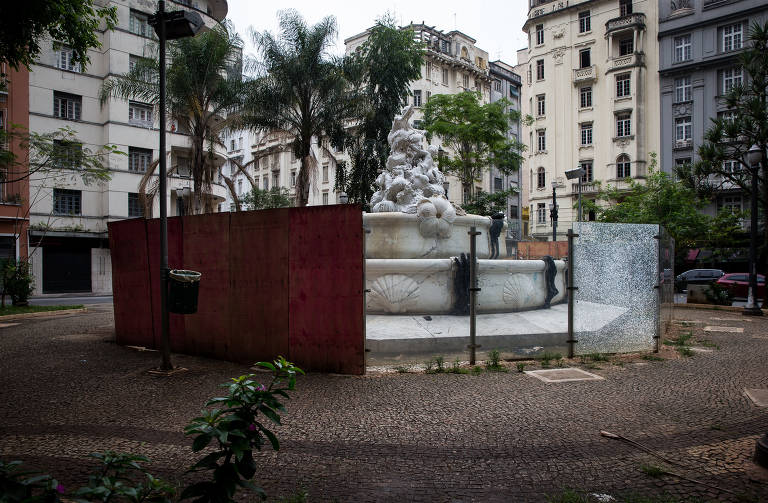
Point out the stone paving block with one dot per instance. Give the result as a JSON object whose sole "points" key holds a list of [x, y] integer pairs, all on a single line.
{"points": [[730, 330], [730, 319], [564, 375], [6, 325], [759, 396]]}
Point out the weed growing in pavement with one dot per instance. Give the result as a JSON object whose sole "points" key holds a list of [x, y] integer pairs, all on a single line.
{"points": [[653, 358], [547, 357], [456, 368], [440, 364], [493, 364], [477, 370], [401, 369], [520, 366], [685, 351], [598, 357], [652, 470], [429, 366]]}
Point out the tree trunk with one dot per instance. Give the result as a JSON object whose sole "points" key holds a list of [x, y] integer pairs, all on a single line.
{"points": [[302, 184]]}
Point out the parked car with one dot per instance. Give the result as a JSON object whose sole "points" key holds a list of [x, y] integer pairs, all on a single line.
{"points": [[737, 284], [697, 277]]}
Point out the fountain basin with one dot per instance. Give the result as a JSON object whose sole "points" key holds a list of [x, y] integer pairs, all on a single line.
{"points": [[395, 235], [426, 286]]}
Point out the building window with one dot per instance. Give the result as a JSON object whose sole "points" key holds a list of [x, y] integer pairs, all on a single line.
{"points": [[626, 46], [139, 159], [265, 182], [67, 154], [140, 114], [541, 105], [731, 166], [293, 178], [65, 59], [541, 213], [134, 205], [683, 129], [275, 179], [585, 59], [586, 133], [585, 97], [731, 204], [139, 24], [232, 144], [623, 85], [732, 77], [417, 98], [67, 106], [683, 48], [588, 174], [585, 22], [683, 89], [622, 166], [445, 76], [539, 69], [625, 7], [539, 34], [623, 125], [67, 202], [541, 140], [183, 167], [497, 86], [731, 37], [325, 173], [465, 81], [541, 178], [325, 197], [428, 70]]}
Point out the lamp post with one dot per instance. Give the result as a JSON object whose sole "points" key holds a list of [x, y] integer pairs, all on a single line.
{"points": [[553, 211], [168, 26], [343, 198], [446, 186], [754, 159], [577, 173]]}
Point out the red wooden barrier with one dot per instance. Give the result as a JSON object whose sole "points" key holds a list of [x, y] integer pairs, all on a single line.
{"points": [[275, 282]]}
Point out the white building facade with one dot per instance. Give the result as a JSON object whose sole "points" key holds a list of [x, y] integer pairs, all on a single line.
{"points": [[591, 100], [68, 220]]}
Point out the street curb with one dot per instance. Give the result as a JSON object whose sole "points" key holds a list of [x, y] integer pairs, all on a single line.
{"points": [[713, 307], [41, 314]]}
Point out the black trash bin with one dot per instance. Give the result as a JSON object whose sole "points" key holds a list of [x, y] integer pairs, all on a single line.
{"points": [[183, 287]]}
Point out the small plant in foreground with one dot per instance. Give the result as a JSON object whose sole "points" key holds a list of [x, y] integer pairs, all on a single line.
{"points": [[493, 363], [237, 432], [120, 476], [429, 366], [546, 357], [598, 357], [520, 366], [440, 362], [477, 370], [685, 351], [456, 368], [652, 470], [653, 358], [401, 369], [18, 485]]}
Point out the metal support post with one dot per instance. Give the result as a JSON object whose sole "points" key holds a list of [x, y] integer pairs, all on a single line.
{"points": [[571, 291], [579, 215], [473, 289], [752, 309]]}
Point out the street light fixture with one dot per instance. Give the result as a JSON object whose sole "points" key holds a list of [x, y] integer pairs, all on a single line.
{"points": [[577, 173], [754, 159], [168, 26], [553, 211], [446, 186], [343, 198]]}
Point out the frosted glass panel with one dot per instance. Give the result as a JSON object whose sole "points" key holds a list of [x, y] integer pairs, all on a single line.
{"points": [[616, 269]]}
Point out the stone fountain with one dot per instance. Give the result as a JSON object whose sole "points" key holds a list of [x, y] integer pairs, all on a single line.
{"points": [[417, 239]]}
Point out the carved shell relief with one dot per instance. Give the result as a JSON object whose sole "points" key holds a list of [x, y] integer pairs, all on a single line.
{"points": [[393, 293]]}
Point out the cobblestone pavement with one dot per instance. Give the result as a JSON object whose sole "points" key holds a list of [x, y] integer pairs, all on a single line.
{"points": [[68, 390]]}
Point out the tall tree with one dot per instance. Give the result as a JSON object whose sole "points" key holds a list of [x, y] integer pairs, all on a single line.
{"points": [[300, 89], [74, 23], [477, 135], [723, 163], [382, 69], [204, 90]]}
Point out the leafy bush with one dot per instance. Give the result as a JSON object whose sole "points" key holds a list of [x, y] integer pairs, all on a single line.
{"points": [[122, 477], [18, 486], [17, 281], [718, 295]]}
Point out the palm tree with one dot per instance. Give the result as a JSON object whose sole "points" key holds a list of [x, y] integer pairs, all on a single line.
{"points": [[204, 90], [300, 89]]}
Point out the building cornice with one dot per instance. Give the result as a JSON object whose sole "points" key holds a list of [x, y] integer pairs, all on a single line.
{"points": [[729, 58], [715, 20], [557, 10]]}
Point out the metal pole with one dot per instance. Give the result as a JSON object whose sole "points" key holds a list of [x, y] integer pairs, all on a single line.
{"points": [[473, 289], [571, 291], [579, 215], [752, 308], [166, 364], [554, 214]]}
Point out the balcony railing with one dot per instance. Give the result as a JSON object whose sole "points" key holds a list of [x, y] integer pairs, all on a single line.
{"points": [[586, 187], [619, 23], [627, 61], [682, 144], [587, 74]]}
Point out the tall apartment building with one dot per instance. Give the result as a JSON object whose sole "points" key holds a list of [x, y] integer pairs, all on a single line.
{"points": [[68, 224], [14, 191], [591, 99], [699, 44], [506, 84]]}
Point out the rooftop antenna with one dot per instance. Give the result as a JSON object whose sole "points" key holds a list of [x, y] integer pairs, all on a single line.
{"points": [[455, 27]]}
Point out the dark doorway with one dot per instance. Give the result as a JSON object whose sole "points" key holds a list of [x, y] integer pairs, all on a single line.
{"points": [[66, 270]]}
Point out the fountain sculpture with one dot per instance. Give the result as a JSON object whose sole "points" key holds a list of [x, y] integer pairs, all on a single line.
{"points": [[416, 239]]}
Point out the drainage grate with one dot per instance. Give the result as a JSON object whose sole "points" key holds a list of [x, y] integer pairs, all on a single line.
{"points": [[563, 375]]}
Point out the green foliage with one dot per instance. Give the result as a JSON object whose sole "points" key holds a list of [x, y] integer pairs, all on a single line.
{"points": [[300, 89], [493, 363], [122, 478], [237, 431], [203, 84], [652, 470], [381, 71], [477, 135], [23, 486], [17, 281], [653, 358], [484, 203], [74, 23], [546, 357], [718, 295], [520, 366], [258, 199]]}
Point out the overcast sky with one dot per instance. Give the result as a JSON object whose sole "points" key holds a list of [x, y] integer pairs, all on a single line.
{"points": [[495, 24]]}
